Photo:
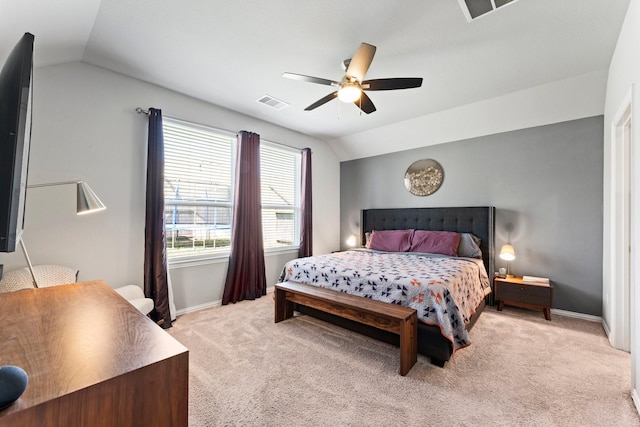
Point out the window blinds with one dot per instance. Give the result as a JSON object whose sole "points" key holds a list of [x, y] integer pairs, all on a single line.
{"points": [[199, 171]]}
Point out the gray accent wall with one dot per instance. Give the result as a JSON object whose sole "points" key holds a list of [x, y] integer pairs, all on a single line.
{"points": [[546, 185]]}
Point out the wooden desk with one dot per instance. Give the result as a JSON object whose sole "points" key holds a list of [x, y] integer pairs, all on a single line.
{"points": [[92, 360]]}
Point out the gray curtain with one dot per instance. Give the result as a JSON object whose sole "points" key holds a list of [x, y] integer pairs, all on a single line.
{"points": [[246, 277], [306, 228], [155, 259]]}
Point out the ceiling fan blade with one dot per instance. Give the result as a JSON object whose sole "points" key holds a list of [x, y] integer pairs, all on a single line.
{"points": [[361, 61], [392, 84], [365, 104], [310, 79], [322, 101]]}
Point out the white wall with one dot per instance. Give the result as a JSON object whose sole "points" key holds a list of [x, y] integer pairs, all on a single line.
{"points": [[560, 101], [624, 72], [85, 127]]}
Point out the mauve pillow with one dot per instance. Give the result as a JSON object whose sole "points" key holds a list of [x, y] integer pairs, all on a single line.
{"points": [[435, 242], [391, 240]]}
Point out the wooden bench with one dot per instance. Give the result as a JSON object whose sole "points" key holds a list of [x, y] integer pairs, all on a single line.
{"points": [[390, 317]]}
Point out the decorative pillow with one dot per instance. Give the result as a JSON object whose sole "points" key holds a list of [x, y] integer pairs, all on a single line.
{"points": [[391, 240], [15, 280], [435, 242], [469, 246], [51, 275], [46, 275]]}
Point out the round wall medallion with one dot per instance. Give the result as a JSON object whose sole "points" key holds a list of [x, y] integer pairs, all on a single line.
{"points": [[423, 177]]}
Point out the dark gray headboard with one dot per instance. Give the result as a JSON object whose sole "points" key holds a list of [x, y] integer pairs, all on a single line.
{"points": [[477, 220]]}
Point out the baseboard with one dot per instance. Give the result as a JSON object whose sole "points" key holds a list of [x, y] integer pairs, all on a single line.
{"points": [[270, 289], [216, 303], [576, 315], [636, 399], [607, 331], [198, 307]]}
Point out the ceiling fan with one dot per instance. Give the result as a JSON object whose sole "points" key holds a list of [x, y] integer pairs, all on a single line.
{"points": [[352, 86]]}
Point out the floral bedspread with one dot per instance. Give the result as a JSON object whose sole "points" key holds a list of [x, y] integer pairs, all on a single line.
{"points": [[445, 291]]}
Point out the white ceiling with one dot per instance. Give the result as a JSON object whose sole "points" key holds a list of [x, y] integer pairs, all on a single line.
{"points": [[231, 53]]}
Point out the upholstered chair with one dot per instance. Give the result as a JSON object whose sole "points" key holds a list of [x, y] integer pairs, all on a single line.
{"points": [[135, 296]]}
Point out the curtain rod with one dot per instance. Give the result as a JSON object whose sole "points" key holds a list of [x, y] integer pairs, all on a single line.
{"points": [[146, 112]]}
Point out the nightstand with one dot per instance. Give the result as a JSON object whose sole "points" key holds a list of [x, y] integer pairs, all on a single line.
{"points": [[513, 291]]}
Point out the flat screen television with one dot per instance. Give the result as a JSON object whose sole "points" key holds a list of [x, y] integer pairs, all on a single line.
{"points": [[15, 136]]}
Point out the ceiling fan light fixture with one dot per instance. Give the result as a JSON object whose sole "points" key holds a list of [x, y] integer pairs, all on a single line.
{"points": [[349, 92], [353, 88]]}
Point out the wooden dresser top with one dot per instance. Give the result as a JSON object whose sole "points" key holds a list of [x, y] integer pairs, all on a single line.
{"points": [[70, 337]]}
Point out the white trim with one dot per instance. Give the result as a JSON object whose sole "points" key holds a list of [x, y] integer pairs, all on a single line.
{"points": [[225, 132], [281, 250], [270, 288], [636, 399], [280, 146], [635, 237], [198, 260], [216, 303], [576, 315], [201, 126], [607, 330], [199, 307], [620, 260]]}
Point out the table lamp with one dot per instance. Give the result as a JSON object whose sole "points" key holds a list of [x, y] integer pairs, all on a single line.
{"points": [[352, 240], [507, 253], [86, 202]]}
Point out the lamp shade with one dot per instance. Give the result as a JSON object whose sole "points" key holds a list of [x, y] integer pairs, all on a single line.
{"points": [[352, 240], [507, 253], [87, 201]]}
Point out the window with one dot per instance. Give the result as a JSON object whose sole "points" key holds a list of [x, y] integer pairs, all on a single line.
{"points": [[198, 190], [280, 182]]}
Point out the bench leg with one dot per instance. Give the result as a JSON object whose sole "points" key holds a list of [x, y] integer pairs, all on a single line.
{"points": [[284, 308], [437, 362], [408, 344]]}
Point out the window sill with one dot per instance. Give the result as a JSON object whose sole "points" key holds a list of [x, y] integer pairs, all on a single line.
{"points": [[281, 250], [198, 260]]}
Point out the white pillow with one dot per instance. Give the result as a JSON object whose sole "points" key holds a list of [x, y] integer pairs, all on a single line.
{"points": [[46, 275], [16, 280]]}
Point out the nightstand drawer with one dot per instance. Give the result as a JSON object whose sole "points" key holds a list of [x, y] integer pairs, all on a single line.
{"points": [[516, 292], [526, 294]]}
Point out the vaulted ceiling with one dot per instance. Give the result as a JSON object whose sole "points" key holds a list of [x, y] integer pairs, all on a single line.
{"points": [[231, 53]]}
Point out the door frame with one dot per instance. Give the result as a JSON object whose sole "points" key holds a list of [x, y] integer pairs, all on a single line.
{"points": [[620, 256]]}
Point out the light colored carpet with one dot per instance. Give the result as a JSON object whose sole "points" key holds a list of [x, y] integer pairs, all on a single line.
{"points": [[520, 371]]}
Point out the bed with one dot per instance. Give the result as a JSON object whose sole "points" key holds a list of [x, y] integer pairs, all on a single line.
{"points": [[447, 308]]}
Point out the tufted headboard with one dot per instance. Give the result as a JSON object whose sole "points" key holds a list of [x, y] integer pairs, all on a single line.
{"points": [[477, 220]]}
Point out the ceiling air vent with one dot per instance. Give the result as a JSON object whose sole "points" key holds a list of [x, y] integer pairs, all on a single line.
{"points": [[273, 102], [473, 9]]}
